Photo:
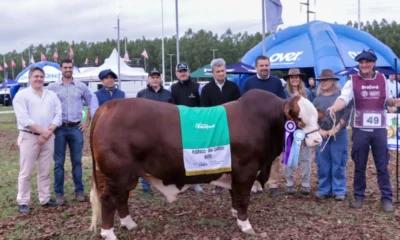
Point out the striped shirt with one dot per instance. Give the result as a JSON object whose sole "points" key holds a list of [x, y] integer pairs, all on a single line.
{"points": [[71, 97]]}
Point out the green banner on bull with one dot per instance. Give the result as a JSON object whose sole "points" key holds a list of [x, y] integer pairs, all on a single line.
{"points": [[205, 140]]}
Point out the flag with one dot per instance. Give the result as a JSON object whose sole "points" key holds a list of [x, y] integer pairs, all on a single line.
{"points": [[1, 69], [55, 56], [274, 15], [126, 57], [86, 61], [43, 57], [32, 59], [96, 61], [23, 62], [71, 52], [13, 65], [144, 54], [5, 65]]}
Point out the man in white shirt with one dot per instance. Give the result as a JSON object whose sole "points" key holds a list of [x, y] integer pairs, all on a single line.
{"points": [[38, 113]]}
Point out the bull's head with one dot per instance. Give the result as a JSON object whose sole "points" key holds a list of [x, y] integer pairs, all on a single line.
{"points": [[306, 116]]}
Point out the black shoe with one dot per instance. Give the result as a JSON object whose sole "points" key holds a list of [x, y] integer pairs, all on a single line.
{"points": [[274, 192], [51, 203], [23, 208], [357, 203], [387, 206]]}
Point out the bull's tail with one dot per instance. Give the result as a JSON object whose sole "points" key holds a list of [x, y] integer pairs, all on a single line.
{"points": [[95, 189]]}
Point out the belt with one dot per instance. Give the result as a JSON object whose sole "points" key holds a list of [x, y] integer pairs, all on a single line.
{"points": [[37, 134], [70, 124]]}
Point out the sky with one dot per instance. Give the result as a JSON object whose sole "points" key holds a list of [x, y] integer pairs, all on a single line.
{"points": [[43, 22]]}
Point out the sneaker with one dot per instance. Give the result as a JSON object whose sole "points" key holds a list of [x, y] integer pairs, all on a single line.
{"points": [[51, 203], [23, 208], [387, 206], [60, 200], [305, 190], [217, 190], [290, 190], [198, 189], [357, 203], [274, 192], [321, 197], [80, 197], [340, 198]]}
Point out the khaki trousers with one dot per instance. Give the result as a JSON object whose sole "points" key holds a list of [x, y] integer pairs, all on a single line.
{"points": [[30, 152], [275, 173]]}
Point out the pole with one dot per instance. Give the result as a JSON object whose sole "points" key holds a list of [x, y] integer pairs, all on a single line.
{"points": [[263, 27], [397, 135], [4, 60], [29, 53], [213, 50], [162, 42], [308, 10], [144, 60], [177, 32], [119, 55], [359, 15], [170, 63]]}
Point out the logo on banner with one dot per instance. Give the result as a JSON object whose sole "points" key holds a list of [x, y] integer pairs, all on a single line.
{"points": [[364, 93], [285, 58], [353, 54]]}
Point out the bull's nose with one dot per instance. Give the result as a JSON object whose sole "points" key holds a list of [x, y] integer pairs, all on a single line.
{"points": [[318, 142]]}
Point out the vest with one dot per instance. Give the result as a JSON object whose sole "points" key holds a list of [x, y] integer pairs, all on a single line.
{"points": [[103, 95], [369, 101]]}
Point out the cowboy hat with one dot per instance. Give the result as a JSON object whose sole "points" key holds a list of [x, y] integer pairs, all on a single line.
{"points": [[294, 72], [326, 74]]}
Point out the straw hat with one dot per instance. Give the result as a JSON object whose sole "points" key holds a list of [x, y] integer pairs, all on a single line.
{"points": [[294, 72]]}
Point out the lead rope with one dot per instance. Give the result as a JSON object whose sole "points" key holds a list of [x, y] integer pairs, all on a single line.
{"points": [[333, 127]]}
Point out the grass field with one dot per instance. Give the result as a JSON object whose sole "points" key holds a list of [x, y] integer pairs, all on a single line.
{"points": [[193, 216]]}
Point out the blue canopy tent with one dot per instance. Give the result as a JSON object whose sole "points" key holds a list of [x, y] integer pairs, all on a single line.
{"points": [[318, 45], [9, 83]]}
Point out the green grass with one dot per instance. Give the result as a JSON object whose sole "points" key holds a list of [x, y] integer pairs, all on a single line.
{"points": [[7, 117], [4, 109]]}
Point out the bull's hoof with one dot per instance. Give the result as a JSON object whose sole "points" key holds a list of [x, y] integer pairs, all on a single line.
{"points": [[128, 223], [108, 234], [246, 227], [234, 212], [249, 231]]}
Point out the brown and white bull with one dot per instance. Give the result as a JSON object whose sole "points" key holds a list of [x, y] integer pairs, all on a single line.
{"points": [[132, 138]]}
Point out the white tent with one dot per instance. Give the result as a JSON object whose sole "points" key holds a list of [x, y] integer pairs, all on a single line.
{"points": [[126, 72]]}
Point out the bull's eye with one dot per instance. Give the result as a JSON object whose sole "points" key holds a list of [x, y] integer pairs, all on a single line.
{"points": [[301, 124]]}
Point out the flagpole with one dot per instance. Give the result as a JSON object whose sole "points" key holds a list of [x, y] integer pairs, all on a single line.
{"points": [[144, 60], [162, 42], [359, 16], [119, 66], [177, 32], [263, 28], [4, 63]]}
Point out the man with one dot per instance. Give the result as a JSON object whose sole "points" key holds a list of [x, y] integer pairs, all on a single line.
{"points": [[218, 91], [186, 92], [154, 91], [38, 114], [107, 92], [264, 81], [71, 94], [370, 93]]}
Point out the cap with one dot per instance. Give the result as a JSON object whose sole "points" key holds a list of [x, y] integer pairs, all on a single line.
{"points": [[154, 71], [107, 72], [182, 66], [366, 55]]}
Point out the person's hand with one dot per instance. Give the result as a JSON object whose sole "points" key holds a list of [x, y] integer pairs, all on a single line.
{"points": [[41, 140], [83, 126], [46, 133], [392, 109], [324, 134], [52, 127], [332, 110], [332, 132]]}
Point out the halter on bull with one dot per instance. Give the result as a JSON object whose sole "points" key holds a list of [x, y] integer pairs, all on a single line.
{"points": [[123, 148]]}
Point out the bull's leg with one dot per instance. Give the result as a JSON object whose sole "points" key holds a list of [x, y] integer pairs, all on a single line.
{"points": [[234, 207], [240, 202], [108, 209], [123, 211]]}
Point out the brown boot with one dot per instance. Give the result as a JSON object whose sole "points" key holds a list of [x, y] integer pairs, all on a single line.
{"points": [[80, 197], [60, 200]]}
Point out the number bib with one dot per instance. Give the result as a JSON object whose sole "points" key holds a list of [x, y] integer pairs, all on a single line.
{"points": [[369, 119]]}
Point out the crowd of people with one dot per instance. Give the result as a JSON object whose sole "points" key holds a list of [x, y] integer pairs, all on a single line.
{"points": [[49, 119]]}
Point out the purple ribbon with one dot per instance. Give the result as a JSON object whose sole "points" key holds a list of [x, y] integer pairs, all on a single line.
{"points": [[290, 127]]}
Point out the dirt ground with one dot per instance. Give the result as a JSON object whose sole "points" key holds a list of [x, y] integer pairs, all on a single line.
{"points": [[205, 216]]}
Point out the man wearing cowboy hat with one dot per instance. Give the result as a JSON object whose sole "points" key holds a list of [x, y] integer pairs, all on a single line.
{"points": [[107, 92], [370, 93]]}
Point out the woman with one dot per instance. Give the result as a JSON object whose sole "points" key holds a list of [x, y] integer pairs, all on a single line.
{"points": [[295, 86], [332, 160]]}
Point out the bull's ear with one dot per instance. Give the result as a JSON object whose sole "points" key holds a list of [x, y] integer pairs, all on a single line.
{"points": [[321, 114], [292, 108]]}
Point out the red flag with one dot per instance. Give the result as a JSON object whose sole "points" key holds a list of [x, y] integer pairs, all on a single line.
{"points": [[96, 61], [32, 59], [23, 62], [13, 65], [55, 56], [5, 65], [144, 54], [71, 52], [43, 57], [86, 61], [1, 69]]}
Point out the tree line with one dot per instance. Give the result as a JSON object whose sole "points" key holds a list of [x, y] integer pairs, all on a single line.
{"points": [[195, 48]]}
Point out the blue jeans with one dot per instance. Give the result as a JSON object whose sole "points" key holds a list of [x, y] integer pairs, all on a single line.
{"points": [[74, 138], [145, 184], [332, 165]]}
